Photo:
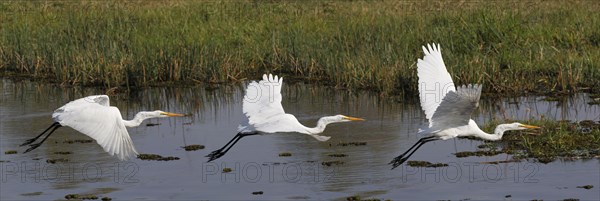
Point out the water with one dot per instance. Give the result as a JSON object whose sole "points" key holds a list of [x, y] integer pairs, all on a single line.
{"points": [[389, 130]]}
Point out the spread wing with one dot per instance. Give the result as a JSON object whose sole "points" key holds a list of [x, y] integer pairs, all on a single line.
{"points": [[457, 107], [263, 100], [434, 80], [98, 99], [93, 117]]}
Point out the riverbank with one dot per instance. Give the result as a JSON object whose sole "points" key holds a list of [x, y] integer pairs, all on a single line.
{"points": [[510, 47]]}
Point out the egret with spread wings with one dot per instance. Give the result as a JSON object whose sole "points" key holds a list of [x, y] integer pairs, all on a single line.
{"points": [[262, 106], [94, 117], [448, 108]]}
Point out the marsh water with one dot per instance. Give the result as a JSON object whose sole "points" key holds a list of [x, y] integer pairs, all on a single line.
{"points": [[214, 115]]}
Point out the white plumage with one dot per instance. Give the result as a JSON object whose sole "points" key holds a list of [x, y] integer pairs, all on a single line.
{"points": [[447, 108], [94, 117], [262, 106]]}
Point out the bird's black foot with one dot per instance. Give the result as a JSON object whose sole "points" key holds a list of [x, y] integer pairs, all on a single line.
{"points": [[32, 147], [398, 161], [215, 155], [28, 142]]}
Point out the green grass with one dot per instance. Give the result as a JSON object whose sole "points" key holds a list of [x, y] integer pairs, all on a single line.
{"points": [[556, 139], [510, 47]]}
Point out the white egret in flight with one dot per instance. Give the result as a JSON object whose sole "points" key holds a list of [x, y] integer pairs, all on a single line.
{"points": [[262, 106], [94, 117], [448, 108]]}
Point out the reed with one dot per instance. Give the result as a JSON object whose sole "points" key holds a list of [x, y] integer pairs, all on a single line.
{"points": [[510, 47]]}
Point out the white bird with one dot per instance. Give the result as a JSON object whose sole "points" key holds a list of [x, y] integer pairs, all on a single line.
{"points": [[94, 117], [447, 108], [262, 106]]}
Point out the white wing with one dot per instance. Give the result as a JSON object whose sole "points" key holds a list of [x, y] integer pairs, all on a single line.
{"points": [[434, 80], [103, 123], [456, 108], [263, 100], [98, 99]]}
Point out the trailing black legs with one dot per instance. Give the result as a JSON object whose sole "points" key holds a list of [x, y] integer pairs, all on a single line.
{"points": [[403, 157], [29, 142], [220, 152]]}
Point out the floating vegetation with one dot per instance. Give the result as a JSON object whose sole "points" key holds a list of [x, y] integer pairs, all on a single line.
{"points": [[337, 155], [358, 198], [63, 152], [10, 152], [425, 164], [343, 144], [226, 170], [498, 162], [285, 154], [77, 141], [106, 199], [486, 146], [556, 139], [586, 187], [156, 157], [476, 153], [193, 147], [152, 124], [32, 194], [330, 163], [80, 197], [58, 160], [257, 193]]}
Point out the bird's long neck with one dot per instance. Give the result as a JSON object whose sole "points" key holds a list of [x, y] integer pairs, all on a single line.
{"points": [[137, 120], [498, 132], [321, 124]]}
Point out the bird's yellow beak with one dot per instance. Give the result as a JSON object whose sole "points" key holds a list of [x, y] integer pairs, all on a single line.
{"points": [[172, 114], [353, 118], [529, 126]]}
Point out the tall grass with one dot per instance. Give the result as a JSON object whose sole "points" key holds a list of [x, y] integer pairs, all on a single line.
{"points": [[509, 46]]}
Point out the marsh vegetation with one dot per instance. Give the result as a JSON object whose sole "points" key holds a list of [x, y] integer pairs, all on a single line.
{"points": [[510, 47]]}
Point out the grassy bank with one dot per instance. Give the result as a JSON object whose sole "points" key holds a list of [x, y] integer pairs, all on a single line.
{"points": [[510, 47]]}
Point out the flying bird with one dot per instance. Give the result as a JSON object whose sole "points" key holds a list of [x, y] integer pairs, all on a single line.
{"points": [[262, 106], [447, 108], [94, 117]]}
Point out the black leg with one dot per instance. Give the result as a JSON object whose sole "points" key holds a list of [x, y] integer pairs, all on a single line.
{"points": [[35, 138], [403, 157], [211, 155], [36, 145], [220, 152], [414, 145]]}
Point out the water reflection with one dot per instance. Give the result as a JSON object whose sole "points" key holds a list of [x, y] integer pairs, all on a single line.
{"points": [[26, 107]]}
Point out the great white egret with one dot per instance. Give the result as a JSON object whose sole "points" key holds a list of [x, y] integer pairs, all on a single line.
{"points": [[448, 108], [262, 106], [94, 117]]}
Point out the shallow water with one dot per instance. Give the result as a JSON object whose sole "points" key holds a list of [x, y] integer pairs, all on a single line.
{"points": [[25, 110]]}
